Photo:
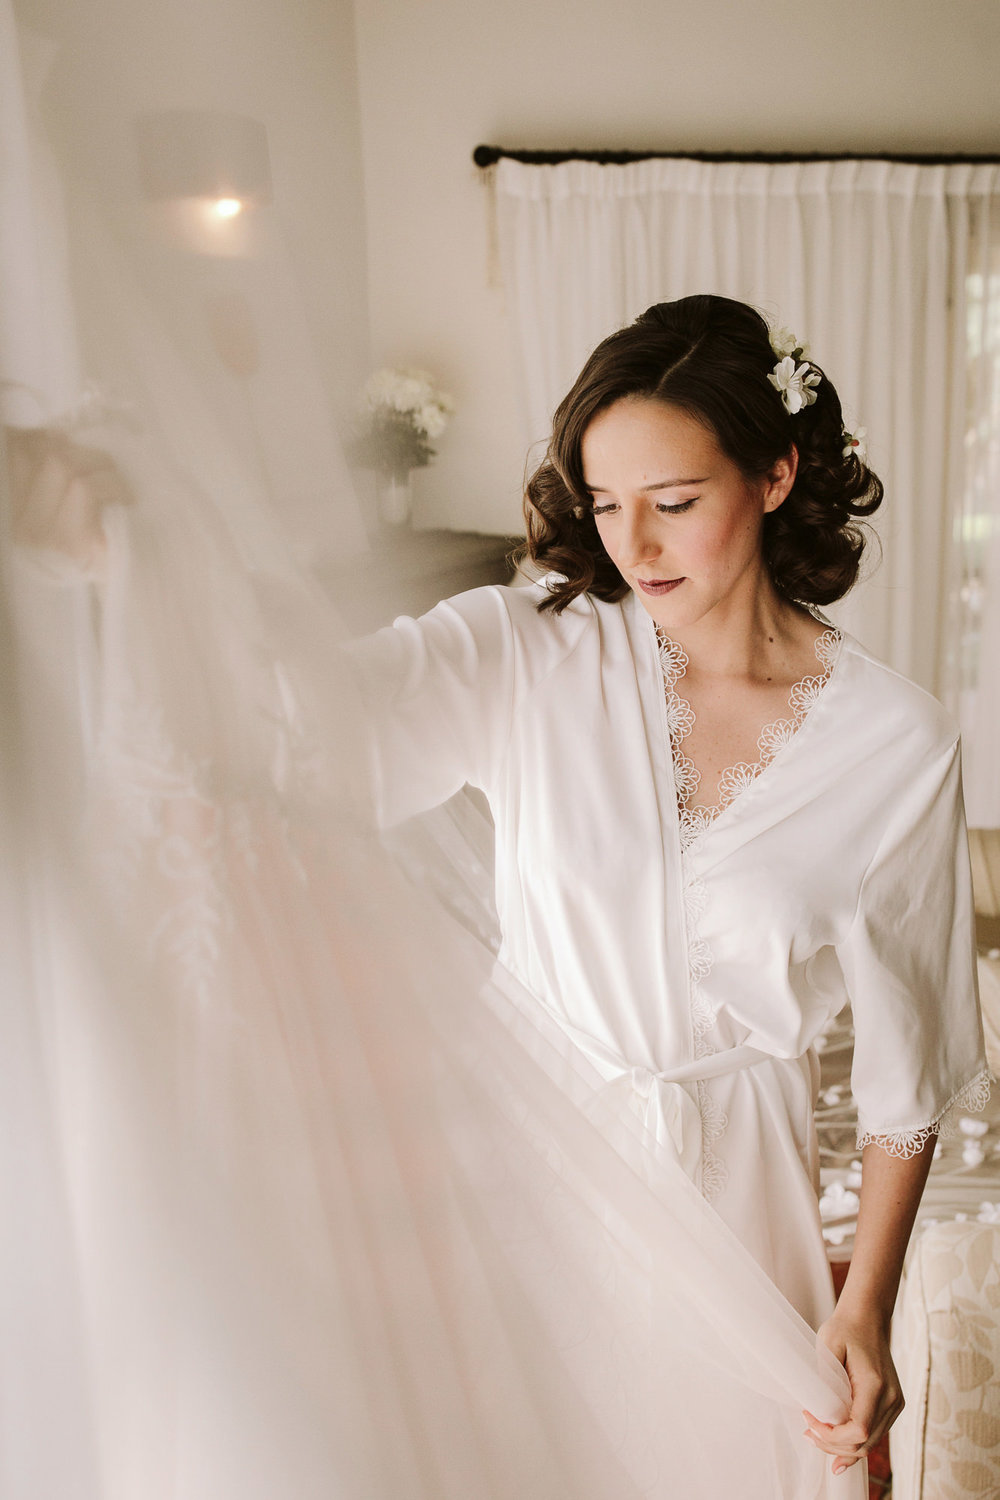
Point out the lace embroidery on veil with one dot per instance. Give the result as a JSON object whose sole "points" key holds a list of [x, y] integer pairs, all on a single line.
{"points": [[694, 821]]}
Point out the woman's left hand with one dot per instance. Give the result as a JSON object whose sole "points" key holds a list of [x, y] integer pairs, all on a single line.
{"points": [[861, 1344]]}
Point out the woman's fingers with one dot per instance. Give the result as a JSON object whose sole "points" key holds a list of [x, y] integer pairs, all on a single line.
{"points": [[849, 1436], [841, 1461], [876, 1399], [865, 1427]]}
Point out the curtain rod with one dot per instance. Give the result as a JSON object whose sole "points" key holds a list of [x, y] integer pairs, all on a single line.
{"points": [[487, 156]]}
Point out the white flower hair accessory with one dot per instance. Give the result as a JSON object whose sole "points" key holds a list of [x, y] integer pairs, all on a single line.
{"points": [[793, 376], [783, 342], [856, 443], [795, 382]]}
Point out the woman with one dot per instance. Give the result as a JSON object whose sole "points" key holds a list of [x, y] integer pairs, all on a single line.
{"points": [[718, 818]]}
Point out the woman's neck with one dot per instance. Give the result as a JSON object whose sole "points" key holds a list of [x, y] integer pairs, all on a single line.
{"points": [[756, 636]]}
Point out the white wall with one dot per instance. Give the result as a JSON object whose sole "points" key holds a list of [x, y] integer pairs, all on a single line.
{"points": [[438, 78], [288, 63]]}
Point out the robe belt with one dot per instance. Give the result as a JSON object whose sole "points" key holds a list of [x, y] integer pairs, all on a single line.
{"points": [[666, 1107], [658, 1096]]}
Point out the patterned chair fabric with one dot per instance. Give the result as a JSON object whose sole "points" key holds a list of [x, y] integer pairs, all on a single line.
{"points": [[946, 1343]]}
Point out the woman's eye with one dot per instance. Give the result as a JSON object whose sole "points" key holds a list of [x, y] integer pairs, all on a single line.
{"points": [[664, 509]]}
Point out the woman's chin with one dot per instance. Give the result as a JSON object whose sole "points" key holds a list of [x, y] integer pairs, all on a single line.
{"points": [[669, 607]]}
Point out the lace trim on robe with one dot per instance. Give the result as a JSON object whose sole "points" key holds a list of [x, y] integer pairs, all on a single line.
{"points": [[906, 1143], [772, 738], [693, 823]]}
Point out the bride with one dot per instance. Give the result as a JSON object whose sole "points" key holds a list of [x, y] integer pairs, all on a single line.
{"points": [[718, 817]]}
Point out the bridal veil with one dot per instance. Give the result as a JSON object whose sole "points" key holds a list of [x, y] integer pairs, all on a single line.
{"points": [[298, 1200]]}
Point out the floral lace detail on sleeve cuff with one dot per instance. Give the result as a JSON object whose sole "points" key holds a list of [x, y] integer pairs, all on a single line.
{"points": [[906, 1143]]}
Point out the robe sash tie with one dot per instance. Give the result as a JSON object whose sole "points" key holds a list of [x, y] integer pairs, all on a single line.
{"points": [[667, 1107], [663, 1099]]}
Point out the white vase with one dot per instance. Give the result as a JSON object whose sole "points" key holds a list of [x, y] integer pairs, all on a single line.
{"points": [[395, 498]]}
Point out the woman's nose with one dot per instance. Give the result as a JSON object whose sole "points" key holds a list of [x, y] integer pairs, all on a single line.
{"points": [[637, 542]]}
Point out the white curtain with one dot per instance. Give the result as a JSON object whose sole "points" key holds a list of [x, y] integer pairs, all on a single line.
{"points": [[975, 584], [865, 260]]}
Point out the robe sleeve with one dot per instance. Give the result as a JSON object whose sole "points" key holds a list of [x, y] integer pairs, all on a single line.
{"points": [[909, 962], [438, 693]]}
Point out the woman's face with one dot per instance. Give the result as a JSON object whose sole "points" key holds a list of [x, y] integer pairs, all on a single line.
{"points": [[677, 517]]}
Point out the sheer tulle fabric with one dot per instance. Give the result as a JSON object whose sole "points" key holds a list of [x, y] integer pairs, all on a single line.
{"points": [[336, 1204], [307, 1199]]}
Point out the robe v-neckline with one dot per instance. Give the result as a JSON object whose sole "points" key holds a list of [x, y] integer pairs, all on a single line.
{"points": [[694, 821]]}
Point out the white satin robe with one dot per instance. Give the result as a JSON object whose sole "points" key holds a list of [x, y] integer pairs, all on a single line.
{"points": [[840, 873]]}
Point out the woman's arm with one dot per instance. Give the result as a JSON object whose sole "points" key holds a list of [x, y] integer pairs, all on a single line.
{"points": [[858, 1331]]}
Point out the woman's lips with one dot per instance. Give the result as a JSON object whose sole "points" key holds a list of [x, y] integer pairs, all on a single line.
{"points": [[658, 585]]}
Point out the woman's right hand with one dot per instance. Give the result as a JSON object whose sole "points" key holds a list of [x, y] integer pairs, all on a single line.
{"points": [[59, 489]]}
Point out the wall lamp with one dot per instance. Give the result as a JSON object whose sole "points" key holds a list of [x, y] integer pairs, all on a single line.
{"points": [[201, 171]]}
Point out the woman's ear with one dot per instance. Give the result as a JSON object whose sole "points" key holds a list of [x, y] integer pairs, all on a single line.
{"points": [[779, 479]]}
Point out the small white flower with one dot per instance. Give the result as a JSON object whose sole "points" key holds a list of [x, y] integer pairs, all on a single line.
{"points": [[989, 1213], [410, 393], [379, 389], [856, 442], [795, 383], [403, 391], [974, 1128], [783, 341], [431, 419]]}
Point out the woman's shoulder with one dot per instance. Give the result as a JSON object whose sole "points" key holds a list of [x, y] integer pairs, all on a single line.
{"points": [[904, 714], [495, 632], [517, 608]]}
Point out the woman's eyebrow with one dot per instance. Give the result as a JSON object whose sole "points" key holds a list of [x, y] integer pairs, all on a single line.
{"points": [[661, 484]]}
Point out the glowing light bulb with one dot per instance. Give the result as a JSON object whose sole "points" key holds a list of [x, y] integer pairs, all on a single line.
{"points": [[227, 208]]}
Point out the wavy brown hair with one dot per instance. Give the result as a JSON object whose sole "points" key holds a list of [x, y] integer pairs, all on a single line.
{"points": [[710, 357]]}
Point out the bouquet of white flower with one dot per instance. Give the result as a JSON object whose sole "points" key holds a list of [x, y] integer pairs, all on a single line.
{"points": [[401, 410]]}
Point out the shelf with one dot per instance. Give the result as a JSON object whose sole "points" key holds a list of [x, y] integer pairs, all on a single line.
{"points": [[408, 573]]}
